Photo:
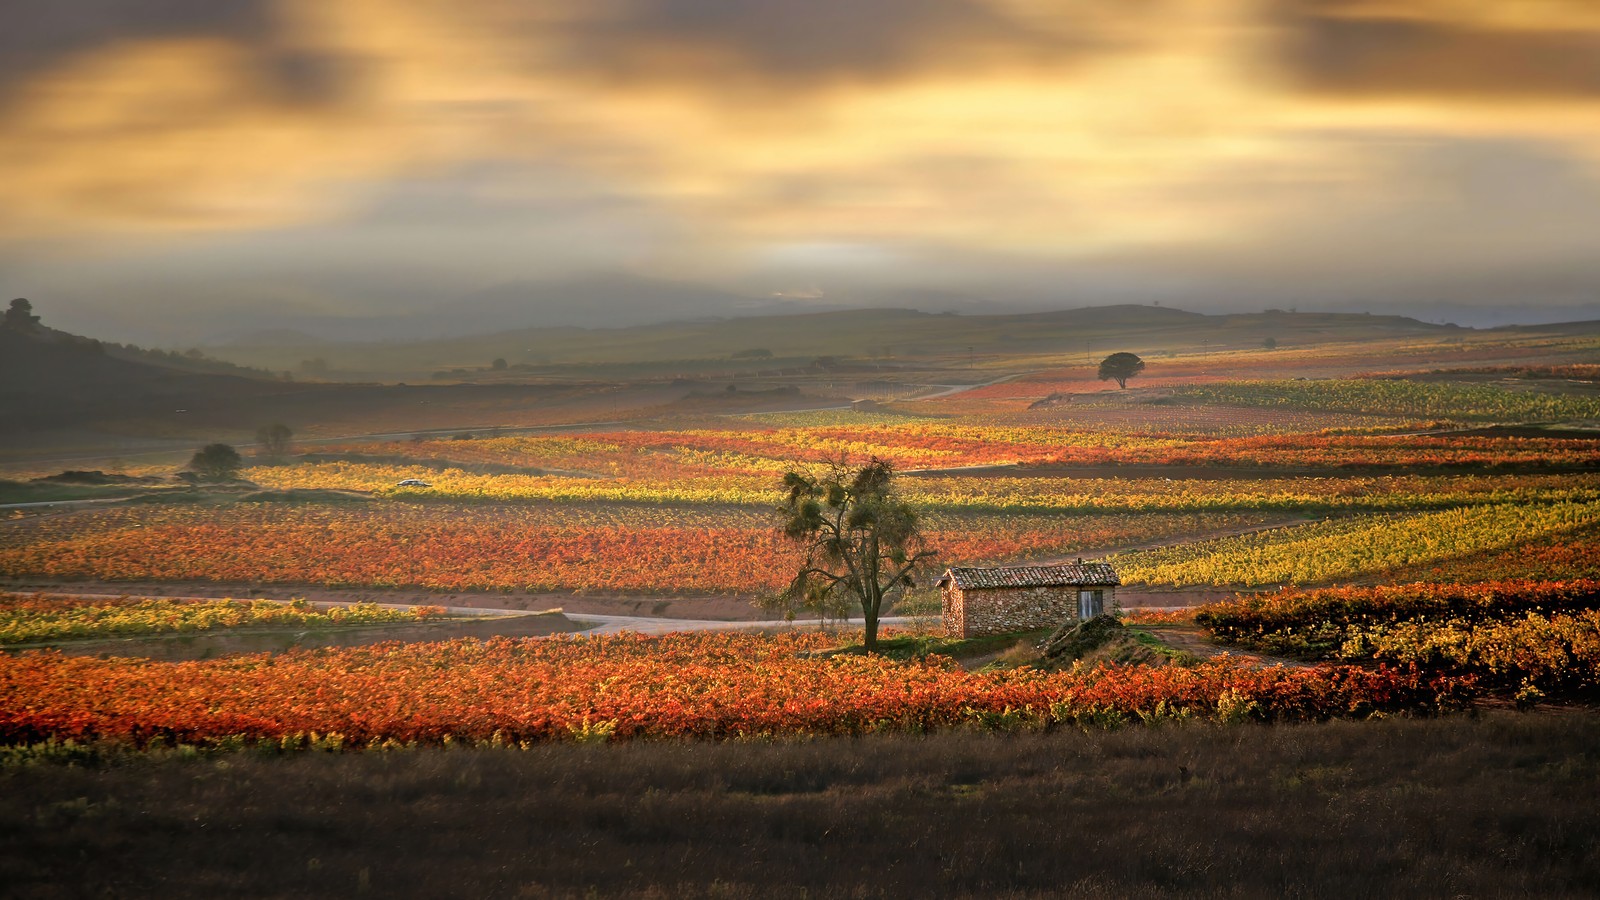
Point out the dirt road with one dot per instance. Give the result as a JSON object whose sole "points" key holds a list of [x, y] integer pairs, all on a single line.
{"points": [[1191, 639]]}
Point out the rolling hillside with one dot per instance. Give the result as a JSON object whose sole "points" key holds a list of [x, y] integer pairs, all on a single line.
{"points": [[904, 335]]}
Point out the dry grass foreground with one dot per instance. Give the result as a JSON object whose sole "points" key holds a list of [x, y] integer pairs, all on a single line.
{"points": [[1494, 806]]}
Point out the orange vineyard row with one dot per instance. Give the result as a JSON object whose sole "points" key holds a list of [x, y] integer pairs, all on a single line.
{"points": [[686, 685], [479, 547]]}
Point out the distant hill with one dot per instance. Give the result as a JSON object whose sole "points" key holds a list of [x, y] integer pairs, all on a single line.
{"points": [[63, 396], [868, 334], [51, 378], [188, 360]]}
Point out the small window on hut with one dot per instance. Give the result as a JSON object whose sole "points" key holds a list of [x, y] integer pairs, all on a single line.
{"points": [[1091, 604]]}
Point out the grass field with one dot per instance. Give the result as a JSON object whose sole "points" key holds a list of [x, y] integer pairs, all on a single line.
{"points": [[1493, 806]]}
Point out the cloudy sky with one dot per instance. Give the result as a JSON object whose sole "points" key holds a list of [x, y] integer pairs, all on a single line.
{"points": [[174, 169]]}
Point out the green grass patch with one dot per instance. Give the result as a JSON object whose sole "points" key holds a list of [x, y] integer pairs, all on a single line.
{"points": [[1155, 645]]}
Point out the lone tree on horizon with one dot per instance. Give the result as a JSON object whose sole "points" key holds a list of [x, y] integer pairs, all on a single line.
{"points": [[216, 462], [861, 540], [1119, 367]]}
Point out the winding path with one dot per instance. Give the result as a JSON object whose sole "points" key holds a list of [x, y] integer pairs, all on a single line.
{"points": [[595, 623]]}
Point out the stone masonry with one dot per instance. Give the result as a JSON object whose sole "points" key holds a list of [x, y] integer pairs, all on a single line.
{"points": [[998, 600]]}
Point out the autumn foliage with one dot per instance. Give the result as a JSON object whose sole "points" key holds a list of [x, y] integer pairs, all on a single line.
{"points": [[1337, 549], [682, 685], [930, 445], [30, 618], [476, 547], [1286, 611], [1528, 636]]}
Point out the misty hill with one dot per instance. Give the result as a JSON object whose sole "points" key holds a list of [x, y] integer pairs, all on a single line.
{"points": [[864, 334], [61, 394], [49, 378], [188, 360]]}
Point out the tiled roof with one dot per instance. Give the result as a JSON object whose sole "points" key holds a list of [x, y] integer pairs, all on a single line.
{"points": [[1092, 573]]}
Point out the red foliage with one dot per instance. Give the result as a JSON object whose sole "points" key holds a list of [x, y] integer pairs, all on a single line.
{"points": [[683, 685], [1253, 614]]}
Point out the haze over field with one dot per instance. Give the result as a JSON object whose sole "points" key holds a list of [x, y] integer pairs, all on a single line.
{"points": [[186, 171]]}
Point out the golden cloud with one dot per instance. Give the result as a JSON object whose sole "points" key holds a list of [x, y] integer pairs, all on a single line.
{"points": [[1023, 125]]}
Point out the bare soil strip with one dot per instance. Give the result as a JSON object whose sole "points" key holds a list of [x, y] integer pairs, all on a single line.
{"points": [[1191, 639]]}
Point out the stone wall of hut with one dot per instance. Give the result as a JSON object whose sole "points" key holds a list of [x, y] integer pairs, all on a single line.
{"points": [[971, 612]]}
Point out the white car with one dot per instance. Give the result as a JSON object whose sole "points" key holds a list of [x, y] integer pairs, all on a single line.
{"points": [[412, 482]]}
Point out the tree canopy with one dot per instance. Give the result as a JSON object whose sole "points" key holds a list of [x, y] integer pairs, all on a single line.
{"points": [[19, 316], [1119, 367], [216, 462], [861, 541], [274, 440]]}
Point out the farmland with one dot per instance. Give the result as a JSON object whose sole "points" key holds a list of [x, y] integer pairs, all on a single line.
{"points": [[1340, 550], [1536, 638], [1409, 544], [456, 547], [706, 450], [704, 686], [29, 619], [687, 511], [1294, 491]]}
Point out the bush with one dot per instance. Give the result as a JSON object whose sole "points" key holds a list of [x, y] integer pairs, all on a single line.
{"points": [[216, 462]]}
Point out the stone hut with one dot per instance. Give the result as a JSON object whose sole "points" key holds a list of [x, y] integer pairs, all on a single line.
{"points": [[1015, 598]]}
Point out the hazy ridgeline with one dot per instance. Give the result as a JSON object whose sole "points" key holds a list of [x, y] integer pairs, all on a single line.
{"points": [[1463, 806]]}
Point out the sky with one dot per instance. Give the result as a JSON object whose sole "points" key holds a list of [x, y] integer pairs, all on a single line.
{"points": [[188, 170]]}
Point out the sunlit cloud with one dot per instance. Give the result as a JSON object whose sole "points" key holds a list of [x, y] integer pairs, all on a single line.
{"points": [[839, 135]]}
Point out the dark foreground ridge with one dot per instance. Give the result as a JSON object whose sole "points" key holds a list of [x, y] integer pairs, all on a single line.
{"points": [[1488, 807]]}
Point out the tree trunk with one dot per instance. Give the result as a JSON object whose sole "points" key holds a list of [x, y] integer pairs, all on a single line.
{"points": [[871, 606]]}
